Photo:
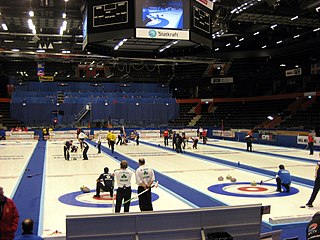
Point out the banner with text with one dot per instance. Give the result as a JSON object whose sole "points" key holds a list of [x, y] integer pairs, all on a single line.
{"points": [[304, 140], [162, 34]]}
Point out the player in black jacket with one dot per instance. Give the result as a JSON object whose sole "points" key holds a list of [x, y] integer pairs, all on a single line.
{"points": [[105, 182]]}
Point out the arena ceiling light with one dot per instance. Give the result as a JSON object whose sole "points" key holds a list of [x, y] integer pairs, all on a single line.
{"points": [[4, 26], [168, 45], [218, 34], [120, 44], [274, 26], [244, 6], [294, 18]]}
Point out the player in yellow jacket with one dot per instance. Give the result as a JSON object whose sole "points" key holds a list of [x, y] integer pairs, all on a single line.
{"points": [[112, 138]]}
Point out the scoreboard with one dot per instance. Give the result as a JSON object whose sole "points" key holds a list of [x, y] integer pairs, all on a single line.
{"points": [[201, 19], [110, 14], [201, 27], [188, 20]]}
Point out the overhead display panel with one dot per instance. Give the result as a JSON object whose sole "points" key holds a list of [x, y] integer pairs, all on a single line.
{"points": [[201, 19], [188, 20], [163, 19], [170, 14], [110, 14], [201, 26], [112, 19]]}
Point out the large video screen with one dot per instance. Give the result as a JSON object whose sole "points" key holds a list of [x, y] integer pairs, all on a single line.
{"points": [[169, 14]]}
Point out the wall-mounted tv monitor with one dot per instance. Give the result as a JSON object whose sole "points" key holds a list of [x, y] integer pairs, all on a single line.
{"points": [[171, 14]]}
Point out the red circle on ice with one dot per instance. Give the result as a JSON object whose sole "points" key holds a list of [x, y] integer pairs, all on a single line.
{"points": [[252, 189]]}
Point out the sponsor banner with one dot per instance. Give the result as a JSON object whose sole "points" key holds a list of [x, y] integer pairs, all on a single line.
{"points": [[222, 80], [293, 72], [188, 131], [162, 34], [46, 78], [149, 133], [19, 135], [206, 3], [310, 94], [207, 100], [304, 140], [267, 136], [219, 133], [103, 134]]}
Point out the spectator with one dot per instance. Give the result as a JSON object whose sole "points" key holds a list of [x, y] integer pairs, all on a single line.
{"points": [[313, 228], [27, 231], [9, 217]]}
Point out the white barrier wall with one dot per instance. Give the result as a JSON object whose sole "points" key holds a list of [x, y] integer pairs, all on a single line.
{"points": [[241, 222]]}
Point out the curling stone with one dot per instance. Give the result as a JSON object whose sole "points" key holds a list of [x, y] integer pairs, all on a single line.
{"points": [[253, 183], [228, 177], [220, 178], [233, 179]]}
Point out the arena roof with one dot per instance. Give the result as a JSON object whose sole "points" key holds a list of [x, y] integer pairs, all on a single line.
{"points": [[241, 29]]}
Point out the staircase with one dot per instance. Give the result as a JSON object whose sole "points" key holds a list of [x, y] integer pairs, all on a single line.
{"points": [[5, 117], [194, 120], [60, 96], [83, 112]]}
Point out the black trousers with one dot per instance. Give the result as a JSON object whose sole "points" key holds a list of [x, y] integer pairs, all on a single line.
{"points": [[85, 156], [137, 140], [145, 199], [123, 194], [66, 153], [112, 146], [279, 184], [166, 141], [249, 146], [315, 191], [104, 188], [195, 144], [311, 147], [99, 147], [178, 147]]}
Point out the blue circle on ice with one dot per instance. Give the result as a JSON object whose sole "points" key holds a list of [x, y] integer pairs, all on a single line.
{"points": [[81, 199]]}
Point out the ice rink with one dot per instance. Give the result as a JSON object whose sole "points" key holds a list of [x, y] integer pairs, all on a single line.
{"points": [[196, 170]]}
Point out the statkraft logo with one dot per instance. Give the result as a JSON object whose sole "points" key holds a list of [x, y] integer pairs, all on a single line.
{"points": [[152, 33]]}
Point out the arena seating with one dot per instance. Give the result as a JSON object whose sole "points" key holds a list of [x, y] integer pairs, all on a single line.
{"points": [[186, 114], [5, 117], [139, 104], [304, 119], [251, 114]]}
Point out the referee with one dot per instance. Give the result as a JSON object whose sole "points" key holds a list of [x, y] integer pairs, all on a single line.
{"points": [[123, 178]]}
